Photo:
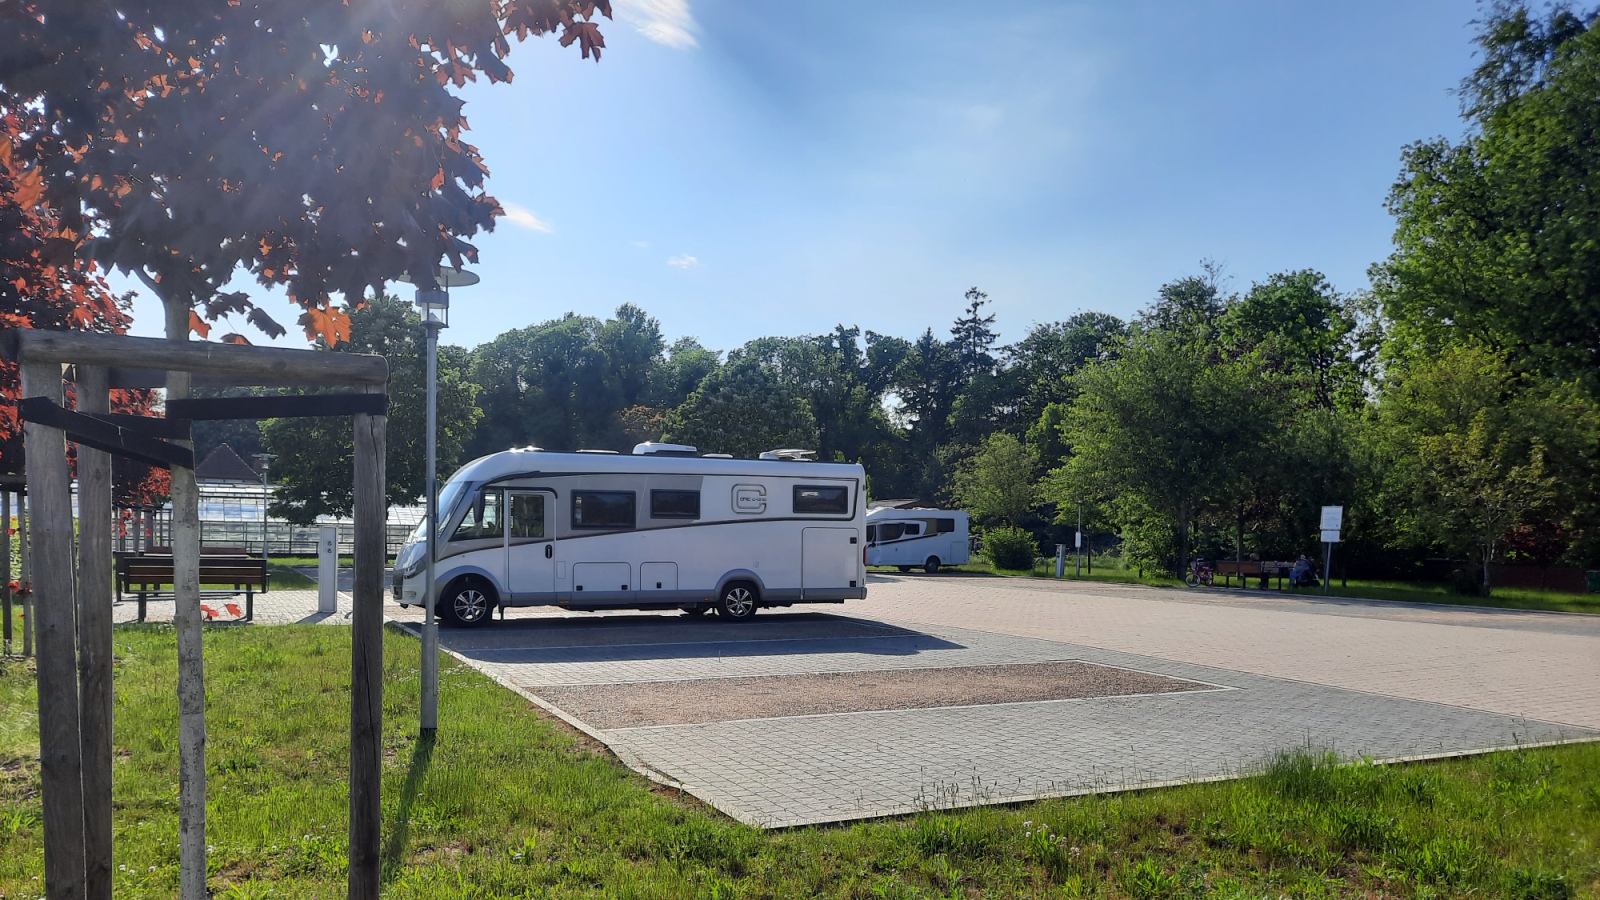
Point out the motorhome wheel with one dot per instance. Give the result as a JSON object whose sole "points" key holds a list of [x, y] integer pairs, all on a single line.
{"points": [[738, 602], [466, 604], [931, 566]]}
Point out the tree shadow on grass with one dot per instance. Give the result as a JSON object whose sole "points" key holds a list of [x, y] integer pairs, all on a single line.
{"points": [[394, 849]]}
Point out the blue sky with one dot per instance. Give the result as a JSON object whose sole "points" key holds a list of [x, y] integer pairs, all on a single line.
{"points": [[741, 168]]}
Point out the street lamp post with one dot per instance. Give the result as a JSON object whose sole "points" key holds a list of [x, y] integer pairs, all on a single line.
{"points": [[265, 459], [435, 306]]}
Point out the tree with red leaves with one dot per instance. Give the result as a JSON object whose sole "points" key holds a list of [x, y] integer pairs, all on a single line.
{"points": [[316, 146], [37, 293]]}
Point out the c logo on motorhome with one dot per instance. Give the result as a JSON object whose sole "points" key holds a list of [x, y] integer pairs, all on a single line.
{"points": [[749, 499]]}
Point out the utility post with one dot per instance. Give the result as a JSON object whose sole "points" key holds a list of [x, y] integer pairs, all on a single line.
{"points": [[1078, 538], [434, 304], [265, 459]]}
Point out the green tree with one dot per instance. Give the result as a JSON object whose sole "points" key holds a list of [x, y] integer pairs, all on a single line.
{"points": [[743, 408], [972, 337], [1045, 361], [1189, 307], [311, 474], [548, 385], [1303, 330], [1159, 433], [996, 484], [1471, 451], [687, 365], [632, 343], [1497, 237]]}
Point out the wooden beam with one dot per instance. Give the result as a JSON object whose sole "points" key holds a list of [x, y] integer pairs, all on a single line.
{"points": [[94, 637], [147, 426], [366, 658], [101, 435], [60, 746], [238, 361], [132, 379], [302, 406]]}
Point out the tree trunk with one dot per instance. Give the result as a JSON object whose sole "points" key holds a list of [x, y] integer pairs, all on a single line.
{"points": [[1488, 554], [55, 603], [94, 637], [185, 541], [366, 658]]}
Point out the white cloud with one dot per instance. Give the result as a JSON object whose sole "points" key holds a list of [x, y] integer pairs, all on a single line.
{"points": [[684, 261], [666, 22], [522, 217], [641, 244]]}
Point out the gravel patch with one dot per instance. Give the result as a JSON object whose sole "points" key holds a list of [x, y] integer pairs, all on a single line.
{"points": [[643, 704]]}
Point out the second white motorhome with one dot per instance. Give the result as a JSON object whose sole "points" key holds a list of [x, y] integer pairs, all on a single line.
{"points": [[663, 528], [917, 538]]}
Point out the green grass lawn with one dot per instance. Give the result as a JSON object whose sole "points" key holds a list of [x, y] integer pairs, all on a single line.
{"points": [[287, 579], [507, 803]]}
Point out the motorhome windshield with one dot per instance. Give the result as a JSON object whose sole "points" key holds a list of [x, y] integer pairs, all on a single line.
{"points": [[448, 495]]}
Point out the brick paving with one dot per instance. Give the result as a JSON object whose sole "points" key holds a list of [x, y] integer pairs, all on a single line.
{"points": [[271, 608]]}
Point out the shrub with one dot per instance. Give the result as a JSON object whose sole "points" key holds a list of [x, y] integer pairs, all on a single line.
{"points": [[1010, 548]]}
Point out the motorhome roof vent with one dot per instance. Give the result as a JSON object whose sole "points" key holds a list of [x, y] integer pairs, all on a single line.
{"points": [[610, 452], [717, 456], [652, 448], [791, 454], [528, 449]]}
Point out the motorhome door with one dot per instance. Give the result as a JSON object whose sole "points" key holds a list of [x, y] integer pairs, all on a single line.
{"points": [[530, 544]]}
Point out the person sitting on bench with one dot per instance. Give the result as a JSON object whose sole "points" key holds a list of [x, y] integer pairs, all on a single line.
{"points": [[1302, 575]]}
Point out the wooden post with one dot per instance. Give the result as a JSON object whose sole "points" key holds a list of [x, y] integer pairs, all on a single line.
{"points": [[185, 543], [5, 563], [94, 637], [366, 657], [60, 748], [26, 555]]}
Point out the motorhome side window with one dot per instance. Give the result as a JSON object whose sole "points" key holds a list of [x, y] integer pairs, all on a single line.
{"points": [[891, 531], [946, 526], [674, 504], [872, 533], [913, 529], [527, 515], [821, 499], [484, 518], [603, 509]]}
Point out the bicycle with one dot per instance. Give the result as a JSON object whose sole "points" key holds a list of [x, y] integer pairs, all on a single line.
{"points": [[1199, 574]]}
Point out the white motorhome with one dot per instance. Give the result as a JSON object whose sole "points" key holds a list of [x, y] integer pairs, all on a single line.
{"points": [[917, 538], [663, 528]]}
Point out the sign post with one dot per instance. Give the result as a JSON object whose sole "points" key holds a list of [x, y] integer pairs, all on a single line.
{"points": [[1332, 523]]}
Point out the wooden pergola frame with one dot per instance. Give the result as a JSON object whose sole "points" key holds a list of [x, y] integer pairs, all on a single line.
{"points": [[73, 623]]}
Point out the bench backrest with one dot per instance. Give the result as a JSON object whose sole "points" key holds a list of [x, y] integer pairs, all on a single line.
{"points": [[152, 569]]}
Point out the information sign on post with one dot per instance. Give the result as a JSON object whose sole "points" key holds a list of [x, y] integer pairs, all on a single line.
{"points": [[1332, 524]]}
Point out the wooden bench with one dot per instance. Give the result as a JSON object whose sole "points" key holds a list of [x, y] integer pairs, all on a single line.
{"points": [[1247, 569], [144, 575]]}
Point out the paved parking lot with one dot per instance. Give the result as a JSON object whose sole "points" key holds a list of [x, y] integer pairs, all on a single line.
{"points": [[1255, 673]]}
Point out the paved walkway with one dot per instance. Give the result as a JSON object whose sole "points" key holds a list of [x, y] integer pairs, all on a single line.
{"points": [[271, 608], [1380, 680]]}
